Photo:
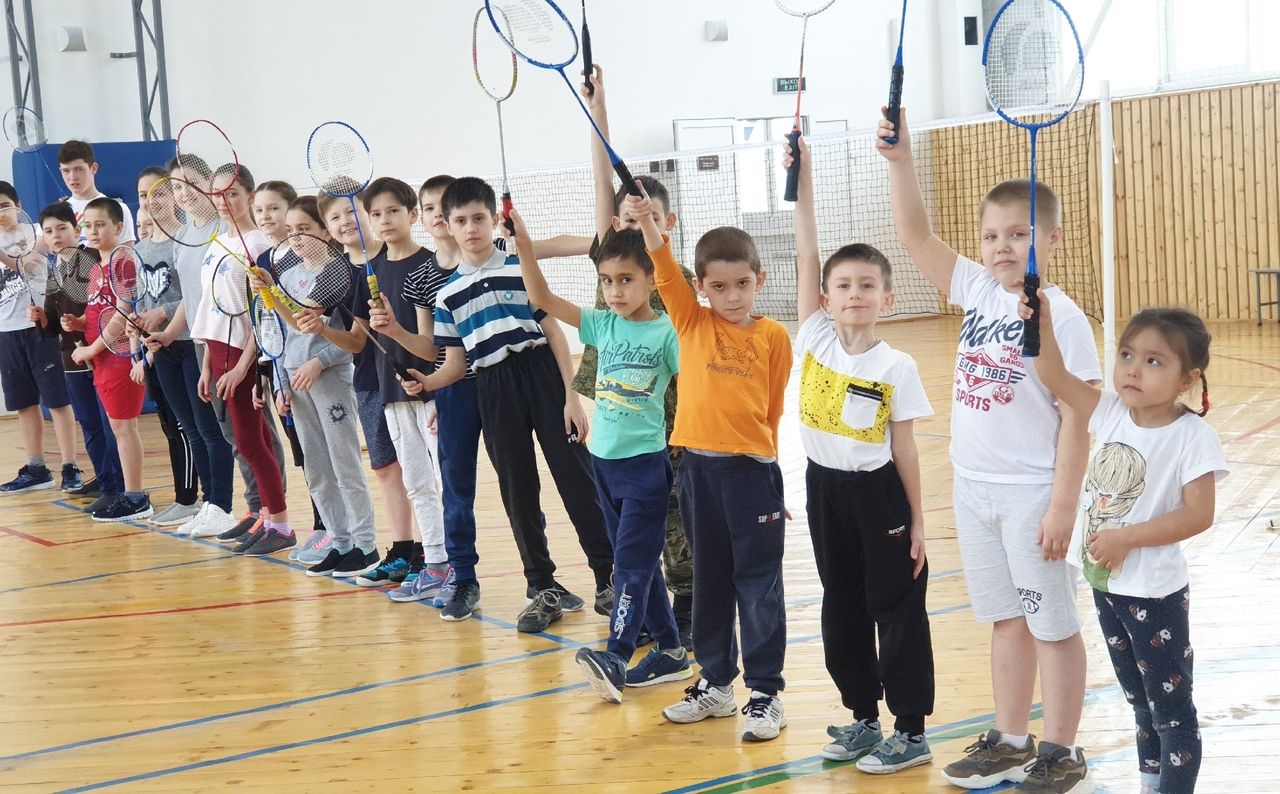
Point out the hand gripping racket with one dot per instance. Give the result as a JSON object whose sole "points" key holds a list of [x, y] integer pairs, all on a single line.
{"points": [[803, 9]]}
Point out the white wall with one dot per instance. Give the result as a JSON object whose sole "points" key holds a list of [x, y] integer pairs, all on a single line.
{"points": [[400, 71]]}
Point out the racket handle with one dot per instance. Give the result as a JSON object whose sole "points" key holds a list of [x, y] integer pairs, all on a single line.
{"points": [[375, 294], [893, 112], [793, 173], [586, 61], [628, 181], [506, 213], [1031, 328]]}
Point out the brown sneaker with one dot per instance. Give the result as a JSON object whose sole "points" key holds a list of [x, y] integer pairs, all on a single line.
{"points": [[1057, 771], [989, 762]]}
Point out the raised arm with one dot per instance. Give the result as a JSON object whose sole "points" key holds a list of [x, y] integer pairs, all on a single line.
{"points": [[676, 293], [808, 269], [936, 259], [562, 245], [601, 167], [535, 283]]}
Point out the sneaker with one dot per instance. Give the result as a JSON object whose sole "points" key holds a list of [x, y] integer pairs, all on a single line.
{"points": [[125, 509], [355, 563], [248, 541], [463, 602], [990, 762], [895, 754], [701, 701], [213, 523], [568, 601], [175, 515], [246, 526], [684, 625], [426, 586], [605, 672], [326, 566], [102, 502], [392, 570], [446, 589], [184, 529], [308, 544], [765, 719], [87, 490], [659, 666], [544, 610], [318, 551], [852, 741], [604, 601], [1057, 770], [71, 479], [271, 542], [30, 478]]}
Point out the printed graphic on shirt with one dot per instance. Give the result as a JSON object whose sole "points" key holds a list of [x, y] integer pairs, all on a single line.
{"points": [[628, 375], [732, 360], [843, 405], [1117, 477], [155, 279], [982, 380]]}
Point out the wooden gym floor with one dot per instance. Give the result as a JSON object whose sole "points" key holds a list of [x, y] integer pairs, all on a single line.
{"points": [[135, 659]]}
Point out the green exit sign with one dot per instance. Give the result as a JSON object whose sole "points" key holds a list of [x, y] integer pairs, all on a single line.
{"points": [[788, 85]]}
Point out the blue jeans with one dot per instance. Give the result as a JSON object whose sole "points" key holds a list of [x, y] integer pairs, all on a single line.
{"points": [[99, 441], [459, 447], [179, 371]]}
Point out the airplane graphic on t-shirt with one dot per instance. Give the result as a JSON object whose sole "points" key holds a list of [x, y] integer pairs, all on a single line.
{"points": [[624, 395]]}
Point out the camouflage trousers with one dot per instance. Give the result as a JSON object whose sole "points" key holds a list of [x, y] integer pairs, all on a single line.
{"points": [[677, 559]]}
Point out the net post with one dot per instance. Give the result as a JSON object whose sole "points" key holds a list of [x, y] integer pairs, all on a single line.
{"points": [[1107, 171]]}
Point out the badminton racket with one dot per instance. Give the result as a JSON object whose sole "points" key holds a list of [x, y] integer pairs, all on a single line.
{"points": [[340, 164], [496, 72], [804, 9], [125, 278], [229, 292], [540, 33], [1034, 68], [269, 332], [24, 130], [17, 240], [893, 110]]}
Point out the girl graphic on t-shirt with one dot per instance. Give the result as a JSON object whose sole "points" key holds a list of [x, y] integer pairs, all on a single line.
{"points": [[1117, 477]]}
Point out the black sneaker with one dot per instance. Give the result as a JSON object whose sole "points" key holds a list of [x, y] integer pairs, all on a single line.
{"points": [[644, 638], [605, 672], [71, 479], [684, 625], [604, 601], [87, 490], [325, 567], [102, 502], [463, 602], [243, 528], [355, 563], [544, 610], [247, 541], [125, 509], [568, 601], [271, 542], [30, 478]]}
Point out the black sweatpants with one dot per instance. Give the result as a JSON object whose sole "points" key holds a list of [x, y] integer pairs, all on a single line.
{"points": [[733, 515], [519, 397], [860, 523], [181, 461]]}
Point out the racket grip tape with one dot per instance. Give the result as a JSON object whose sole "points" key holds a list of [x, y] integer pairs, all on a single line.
{"points": [[1031, 328], [793, 173], [628, 181], [894, 110], [375, 294], [506, 213], [587, 65]]}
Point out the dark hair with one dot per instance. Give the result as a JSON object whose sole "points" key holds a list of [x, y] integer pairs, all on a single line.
{"points": [[627, 244], [465, 190], [1185, 333], [725, 244], [71, 151], [58, 210], [860, 252], [284, 189], [109, 206], [241, 173], [1048, 207], [399, 190], [437, 182], [309, 205], [152, 170], [656, 190], [10, 191]]}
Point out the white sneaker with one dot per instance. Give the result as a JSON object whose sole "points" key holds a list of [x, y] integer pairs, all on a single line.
{"points": [[701, 701], [184, 530], [216, 521], [765, 719]]}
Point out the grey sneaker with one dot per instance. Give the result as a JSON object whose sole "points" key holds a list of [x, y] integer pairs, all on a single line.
{"points": [[895, 754], [568, 601], [852, 741], [463, 602], [990, 762], [175, 514], [604, 601], [317, 551], [270, 543], [544, 610], [1057, 770]]}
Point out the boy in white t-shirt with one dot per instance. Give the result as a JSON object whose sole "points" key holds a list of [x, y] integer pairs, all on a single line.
{"points": [[1019, 460], [79, 170], [858, 399]]}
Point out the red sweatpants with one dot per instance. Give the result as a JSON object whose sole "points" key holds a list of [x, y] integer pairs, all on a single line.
{"points": [[253, 437]]}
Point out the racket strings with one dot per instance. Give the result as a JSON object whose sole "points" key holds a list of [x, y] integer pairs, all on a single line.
{"points": [[17, 233], [206, 157], [24, 130], [492, 58], [312, 272], [123, 271], [118, 332], [73, 272], [268, 330], [339, 160], [535, 29], [230, 287], [183, 212], [1033, 62]]}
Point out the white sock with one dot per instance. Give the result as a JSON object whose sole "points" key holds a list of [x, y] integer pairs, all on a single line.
{"points": [[1015, 741], [1150, 779]]}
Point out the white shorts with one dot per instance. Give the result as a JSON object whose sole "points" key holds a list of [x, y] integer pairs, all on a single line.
{"points": [[996, 526]]}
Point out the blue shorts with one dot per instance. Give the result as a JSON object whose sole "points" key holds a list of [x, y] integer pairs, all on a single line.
{"points": [[377, 438], [31, 370]]}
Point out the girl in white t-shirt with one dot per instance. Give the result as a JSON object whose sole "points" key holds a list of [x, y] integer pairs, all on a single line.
{"points": [[1150, 485]]}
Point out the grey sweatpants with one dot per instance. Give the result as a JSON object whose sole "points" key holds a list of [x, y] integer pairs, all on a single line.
{"points": [[326, 418]]}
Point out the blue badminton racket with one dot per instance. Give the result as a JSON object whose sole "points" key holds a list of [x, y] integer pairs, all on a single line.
{"points": [[893, 111]]}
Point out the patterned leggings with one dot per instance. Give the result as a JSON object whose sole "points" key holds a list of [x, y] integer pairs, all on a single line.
{"points": [[1150, 645]]}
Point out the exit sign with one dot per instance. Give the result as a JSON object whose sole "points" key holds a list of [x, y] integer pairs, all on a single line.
{"points": [[788, 85]]}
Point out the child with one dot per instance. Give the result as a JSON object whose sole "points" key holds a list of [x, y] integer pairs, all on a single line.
{"points": [[229, 355], [733, 369], [521, 359], [677, 560], [1014, 504], [1151, 485], [858, 398], [121, 397], [628, 453], [156, 251], [31, 373], [79, 170]]}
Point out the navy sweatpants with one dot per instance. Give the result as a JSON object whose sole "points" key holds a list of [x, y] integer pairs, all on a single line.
{"points": [[733, 515], [634, 494], [458, 407]]}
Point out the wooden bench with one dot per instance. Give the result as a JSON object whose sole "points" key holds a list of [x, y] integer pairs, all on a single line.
{"points": [[1274, 273]]}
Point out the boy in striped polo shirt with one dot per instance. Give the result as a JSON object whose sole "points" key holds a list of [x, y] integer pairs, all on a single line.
{"points": [[523, 369]]}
